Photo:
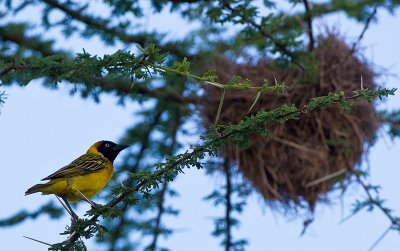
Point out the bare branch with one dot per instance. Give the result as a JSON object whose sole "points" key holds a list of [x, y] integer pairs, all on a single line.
{"points": [[228, 206], [366, 26], [309, 25]]}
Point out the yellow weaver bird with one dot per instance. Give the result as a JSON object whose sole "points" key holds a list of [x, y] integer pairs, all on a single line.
{"points": [[84, 177]]}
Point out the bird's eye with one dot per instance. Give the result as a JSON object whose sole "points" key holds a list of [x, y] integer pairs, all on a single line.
{"points": [[107, 145]]}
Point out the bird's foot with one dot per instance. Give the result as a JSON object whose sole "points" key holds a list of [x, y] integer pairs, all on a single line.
{"points": [[74, 217]]}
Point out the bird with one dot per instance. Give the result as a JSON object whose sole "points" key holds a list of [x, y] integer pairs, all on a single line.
{"points": [[82, 178]]}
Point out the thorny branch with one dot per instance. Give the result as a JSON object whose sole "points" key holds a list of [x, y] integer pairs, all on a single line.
{"points": [[205, 148]]}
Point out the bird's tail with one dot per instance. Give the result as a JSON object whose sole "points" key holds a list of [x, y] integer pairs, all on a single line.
{"points": [[37, 188]]}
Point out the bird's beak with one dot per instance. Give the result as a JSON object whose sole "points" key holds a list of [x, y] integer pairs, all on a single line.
{"points": [[119, 148]]}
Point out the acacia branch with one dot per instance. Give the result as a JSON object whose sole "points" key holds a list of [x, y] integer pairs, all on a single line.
{"points": [[120, 86]]}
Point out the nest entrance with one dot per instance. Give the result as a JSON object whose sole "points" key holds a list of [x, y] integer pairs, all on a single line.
{"points": [[286, 167]]}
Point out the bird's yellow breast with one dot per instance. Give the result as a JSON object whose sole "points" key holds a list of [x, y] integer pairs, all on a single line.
{"points": [[89, 184]]}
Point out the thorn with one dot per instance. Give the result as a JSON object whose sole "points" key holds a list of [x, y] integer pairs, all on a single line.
{"points": [[133, 83], [327, 177], [362, 83], [220, 107], [73, 233], [45, 243], [254, 102]]}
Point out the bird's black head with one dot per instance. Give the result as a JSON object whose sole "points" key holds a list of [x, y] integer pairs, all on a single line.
{"points": [[109, 149]]}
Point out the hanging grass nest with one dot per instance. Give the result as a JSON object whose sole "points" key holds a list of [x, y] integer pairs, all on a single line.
{"points": [[304, 159]]}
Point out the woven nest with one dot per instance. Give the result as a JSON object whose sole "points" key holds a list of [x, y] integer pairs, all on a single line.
{"points": [[286, 167]]}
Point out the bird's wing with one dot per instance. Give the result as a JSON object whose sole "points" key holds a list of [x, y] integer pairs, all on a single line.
{"points": [[85, 164]]}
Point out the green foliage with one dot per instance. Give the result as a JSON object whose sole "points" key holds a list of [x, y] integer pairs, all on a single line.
{"points": [[371, 95], [79, 245]]}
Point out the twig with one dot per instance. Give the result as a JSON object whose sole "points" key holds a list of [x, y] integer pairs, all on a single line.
{"points": [[347, 217], [160, 209], [366, 26], [258, 89], [306, 224], [395, 221], [228, 208], [380, 238]]}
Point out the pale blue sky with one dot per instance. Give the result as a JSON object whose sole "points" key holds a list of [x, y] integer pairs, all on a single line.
{"points": [[42, 130]]}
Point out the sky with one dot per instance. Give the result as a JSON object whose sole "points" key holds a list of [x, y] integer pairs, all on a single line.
{"points": [[42, 130]]}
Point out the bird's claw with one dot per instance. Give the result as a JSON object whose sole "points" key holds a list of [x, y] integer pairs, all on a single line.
{"points": [[74, 217]]}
